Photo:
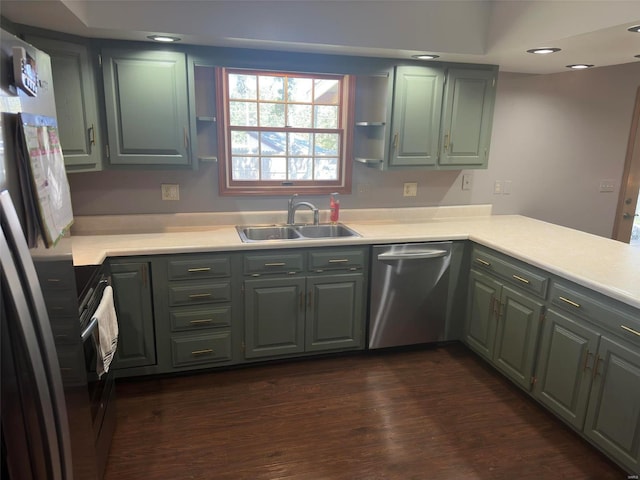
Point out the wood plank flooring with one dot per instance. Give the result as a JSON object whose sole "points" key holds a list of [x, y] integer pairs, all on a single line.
{"points": [[436, 413]]}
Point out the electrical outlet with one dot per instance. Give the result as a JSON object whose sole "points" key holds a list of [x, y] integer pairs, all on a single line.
{"points": [[410, 189], [467, 181], [607, 185], [170, 191], [363, 188]]}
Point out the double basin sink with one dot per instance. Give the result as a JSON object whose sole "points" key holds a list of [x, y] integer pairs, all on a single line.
{"points": [[261, 233]]}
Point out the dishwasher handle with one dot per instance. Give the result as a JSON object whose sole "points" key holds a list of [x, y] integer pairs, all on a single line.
{"points": [[415, 255]]}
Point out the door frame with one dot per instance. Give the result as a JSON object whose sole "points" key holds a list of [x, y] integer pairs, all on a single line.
{"points": [[630, 184]]}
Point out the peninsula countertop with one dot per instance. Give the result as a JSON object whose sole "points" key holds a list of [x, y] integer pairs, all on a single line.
{"points": [[604, 265]]}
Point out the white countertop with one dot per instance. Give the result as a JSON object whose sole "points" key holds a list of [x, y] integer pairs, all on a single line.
{"points": [[607, 266]]}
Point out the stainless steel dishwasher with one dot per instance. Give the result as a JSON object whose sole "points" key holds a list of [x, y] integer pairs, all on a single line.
{"points": [[409, 293]]}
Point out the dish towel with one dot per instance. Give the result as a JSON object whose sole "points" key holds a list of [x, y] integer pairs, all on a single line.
{"points": [[106, 335]]}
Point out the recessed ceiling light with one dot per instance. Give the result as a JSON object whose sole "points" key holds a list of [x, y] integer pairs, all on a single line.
{"points": [[425, 56], [164, 38], [580, 66], [635, 29], [543, 51]]}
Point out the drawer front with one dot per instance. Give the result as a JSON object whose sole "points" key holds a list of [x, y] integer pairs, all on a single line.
{"points": [[197, 349], [600, 310], [59, 305], [56, 276], [192, 318], [336, 260], [199, 267], [194, 293], [525, 278], [64, 331], [277, 263]]}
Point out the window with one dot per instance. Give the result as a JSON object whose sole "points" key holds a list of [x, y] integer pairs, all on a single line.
{"points": [[282, 132]]}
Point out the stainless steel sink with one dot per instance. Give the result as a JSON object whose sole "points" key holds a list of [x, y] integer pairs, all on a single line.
{"points": [[262, 233]]}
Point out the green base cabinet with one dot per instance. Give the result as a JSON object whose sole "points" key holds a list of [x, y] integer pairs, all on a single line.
{"points": [[481, 324], [133, 302]]}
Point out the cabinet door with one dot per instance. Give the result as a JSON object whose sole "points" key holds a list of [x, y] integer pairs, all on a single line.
{"points": [[467, 117], [480, 332], [415, 118], [147, 107], [613, 416], [517, 336], [334, 318], [76, 103], [274, 316], [136, 338], [565, 368]]}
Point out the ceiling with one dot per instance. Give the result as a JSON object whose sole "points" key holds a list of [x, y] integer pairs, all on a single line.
{"points": [[475, 31]]}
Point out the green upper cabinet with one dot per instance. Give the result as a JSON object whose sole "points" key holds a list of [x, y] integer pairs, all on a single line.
{"points": [[76, 103], [146, 106], [467, 117], [415, 117]]}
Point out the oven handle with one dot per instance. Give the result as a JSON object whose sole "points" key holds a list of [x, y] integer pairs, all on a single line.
{"points": [[90, 328]]}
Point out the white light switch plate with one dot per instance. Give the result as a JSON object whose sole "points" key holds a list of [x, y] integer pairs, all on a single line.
{"points": [[410, 189], [170, 191]]}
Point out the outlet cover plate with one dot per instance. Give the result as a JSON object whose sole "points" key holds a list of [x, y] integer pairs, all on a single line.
{"points": [[170, 191], [410, 189]]}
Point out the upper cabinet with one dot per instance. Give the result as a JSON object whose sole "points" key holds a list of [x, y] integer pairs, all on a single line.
{"points": [[467, 116], [146, 106], [76, 103]]}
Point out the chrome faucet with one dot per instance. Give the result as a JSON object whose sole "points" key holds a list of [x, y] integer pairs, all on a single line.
{"points": [[292, 207]]}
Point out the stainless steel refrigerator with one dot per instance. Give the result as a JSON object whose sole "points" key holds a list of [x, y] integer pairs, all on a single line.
{"points": [[36, 408]]}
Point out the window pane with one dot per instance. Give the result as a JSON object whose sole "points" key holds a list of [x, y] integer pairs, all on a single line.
{"points": [[273, 143], [326, 91], [300, 144], [244, 142], [326, 169], [326, 116], [274, 168], [326, 144], [244, 168], [272, 114], [299, 89], [271, 88], [300, 168], [299, 116], [243, 113], [242, 86]]}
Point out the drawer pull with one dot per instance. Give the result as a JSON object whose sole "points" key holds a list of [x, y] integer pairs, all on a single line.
{"points": [[339, 260], [483, 262], [199, 269], [199, 322], [566, 300], [630, 330], [206, 351], [275, 264], [520, 279], [53, 280], [199, 295]]}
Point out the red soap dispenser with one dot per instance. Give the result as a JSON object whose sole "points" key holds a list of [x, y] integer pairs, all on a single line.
{"points": [[334, 205]]}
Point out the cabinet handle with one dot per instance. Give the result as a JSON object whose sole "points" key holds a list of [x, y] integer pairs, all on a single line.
{"points": [[339, 260], [200, 269], [206, 351], [483, 262], [186, 139], [204, 320], [586, 361], [596, 364], [92, 135], [630, 330], [275, 264], [520, 279], [199, 295], [446, 141], [395, 141], [310, 299], [566, 300]]}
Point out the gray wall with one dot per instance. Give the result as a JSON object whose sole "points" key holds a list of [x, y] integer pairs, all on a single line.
{"points": [[554, 137]]}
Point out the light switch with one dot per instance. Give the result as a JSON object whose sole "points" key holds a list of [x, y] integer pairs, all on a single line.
{"points": [[410, 189], [607, 185], [170, 191], [467, 181], [497, 187]]}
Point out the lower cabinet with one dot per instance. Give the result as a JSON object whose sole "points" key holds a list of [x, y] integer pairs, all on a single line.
{"points": [[319, 306], [133, 302]]}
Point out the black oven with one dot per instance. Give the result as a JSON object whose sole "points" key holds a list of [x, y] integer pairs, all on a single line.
{"points": [[91, 282]]}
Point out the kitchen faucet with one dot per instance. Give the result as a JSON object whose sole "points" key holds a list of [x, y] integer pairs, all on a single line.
{"points": [[292, 207]]}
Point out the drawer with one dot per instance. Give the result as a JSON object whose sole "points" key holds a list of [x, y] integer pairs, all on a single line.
{"points": [[598, 309], [205, 348], [193, 293], [337, 260], [518, 274], [65, 329], [72, 365], [191, 318], [56, 276], [199, 267], [62, 303], [276, 263]]}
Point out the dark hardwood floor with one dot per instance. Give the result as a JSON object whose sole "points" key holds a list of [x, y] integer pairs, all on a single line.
{"points": [[438, 413]]}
